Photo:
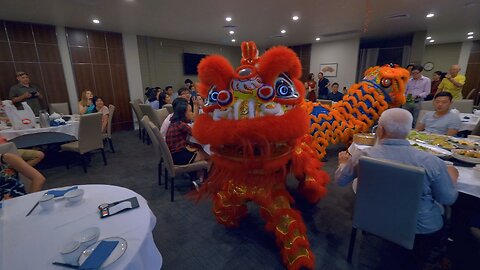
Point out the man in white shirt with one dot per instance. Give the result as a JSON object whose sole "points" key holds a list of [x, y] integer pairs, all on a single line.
{"points": [[418, 87]]}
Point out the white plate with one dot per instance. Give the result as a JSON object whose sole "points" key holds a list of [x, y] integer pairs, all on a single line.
{"points": [[115, 255], [438, 151]]}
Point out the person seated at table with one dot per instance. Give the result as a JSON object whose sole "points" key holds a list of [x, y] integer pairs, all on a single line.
{"points": [[439, 187], [86, 104], [176, 138], [101, 108], [166, 122], [335, 95], [195, 102], [163, 98], [10, 185], [31, 156], [442, 120], [152, 99]]}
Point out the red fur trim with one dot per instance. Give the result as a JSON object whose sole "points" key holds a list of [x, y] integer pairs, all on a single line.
{"points": [[215, 70], [276, 61], [291, 125]]}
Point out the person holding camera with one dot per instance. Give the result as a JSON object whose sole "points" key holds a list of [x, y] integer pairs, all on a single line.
{"points": [[24, 91]]}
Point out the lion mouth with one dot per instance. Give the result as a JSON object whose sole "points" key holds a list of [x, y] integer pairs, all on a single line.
{"points": [[254, 151], [249, 109]]}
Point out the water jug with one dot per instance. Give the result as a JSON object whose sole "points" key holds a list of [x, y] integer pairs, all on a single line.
{"points": [[44, 119]]}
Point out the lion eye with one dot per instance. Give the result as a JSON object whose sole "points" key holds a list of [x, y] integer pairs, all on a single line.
{"points": [[284, 88], [386, 82]]}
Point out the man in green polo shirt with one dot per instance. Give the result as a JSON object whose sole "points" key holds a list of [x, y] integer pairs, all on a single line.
{"points": [[24, 91]]}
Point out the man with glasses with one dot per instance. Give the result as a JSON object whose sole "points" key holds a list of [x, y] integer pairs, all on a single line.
{"points": [[418, 87], [24, 91]]}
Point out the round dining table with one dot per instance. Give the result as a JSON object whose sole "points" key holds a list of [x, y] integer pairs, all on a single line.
{"points": [[34, 241]]}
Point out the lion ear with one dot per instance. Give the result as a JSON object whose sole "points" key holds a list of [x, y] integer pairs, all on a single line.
{"points": [[214, 70], [279, 60]]}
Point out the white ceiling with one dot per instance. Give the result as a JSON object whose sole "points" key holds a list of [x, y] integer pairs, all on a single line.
{"points": [[204, 20]]}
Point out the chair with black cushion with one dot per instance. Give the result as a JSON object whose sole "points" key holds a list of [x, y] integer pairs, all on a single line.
{"points": [[90, 138], [387, 201], [108, 135], [156, 146], [172, 170], [61, 108]]}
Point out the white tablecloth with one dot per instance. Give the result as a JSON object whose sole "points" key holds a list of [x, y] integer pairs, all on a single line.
{"points": [[34, 242], [469, 121], [71, 128], [468, 179]]}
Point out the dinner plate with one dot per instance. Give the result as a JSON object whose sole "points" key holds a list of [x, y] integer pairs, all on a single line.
{"points": [[466, 159], [435, 150], [114, 256]]}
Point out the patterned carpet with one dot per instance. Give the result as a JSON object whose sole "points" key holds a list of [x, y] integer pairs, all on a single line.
{"points": [[187, 234]]}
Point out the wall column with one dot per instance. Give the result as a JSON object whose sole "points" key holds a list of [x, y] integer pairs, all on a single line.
{"points": [[67, 69], [132, 63]]}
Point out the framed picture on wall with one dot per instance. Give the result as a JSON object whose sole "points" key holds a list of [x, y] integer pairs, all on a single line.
{"points": [[329, 69]]}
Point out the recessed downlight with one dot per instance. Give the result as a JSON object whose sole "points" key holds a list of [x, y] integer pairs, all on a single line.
{"points": [[428, 38], [469, 33], [470, 37], [432, 40], [283, 31], [228, 19], [231, 32], [233, 40], [295, 18], [96, 21], [430, 15], [317, 39]]}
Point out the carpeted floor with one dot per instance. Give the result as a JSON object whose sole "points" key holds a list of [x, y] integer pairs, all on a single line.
{"points": [[187, 234]]}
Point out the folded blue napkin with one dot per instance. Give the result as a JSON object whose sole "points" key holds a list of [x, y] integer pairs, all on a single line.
{"points": [[60, 192], [99, 255]]}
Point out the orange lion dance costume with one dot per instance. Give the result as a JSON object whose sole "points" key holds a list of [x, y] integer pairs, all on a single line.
{"points": [[258, 133], [381, 88]]}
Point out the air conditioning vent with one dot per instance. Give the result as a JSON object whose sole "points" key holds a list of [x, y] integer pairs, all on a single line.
{"points": [[350, 32]]}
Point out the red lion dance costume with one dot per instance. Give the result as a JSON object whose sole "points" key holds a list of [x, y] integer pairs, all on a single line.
{"points": [[258, 133]]}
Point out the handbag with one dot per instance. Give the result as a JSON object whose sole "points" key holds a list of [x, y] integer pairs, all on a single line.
{"points": [[20, 119]]}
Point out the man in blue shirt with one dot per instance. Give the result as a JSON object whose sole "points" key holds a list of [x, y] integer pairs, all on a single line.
{"points": [[335, 96], [439, 186], [323, 84]]}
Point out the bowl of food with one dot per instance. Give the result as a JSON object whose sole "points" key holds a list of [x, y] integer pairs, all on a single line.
{"points": [[467, 155], [364, 138]]}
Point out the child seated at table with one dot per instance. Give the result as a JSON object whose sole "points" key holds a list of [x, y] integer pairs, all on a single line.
{"points": [[10, 167], [101, 108]]}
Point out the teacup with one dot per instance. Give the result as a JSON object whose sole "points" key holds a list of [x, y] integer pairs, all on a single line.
{"points": [[74, 196], [47, 202], [71, 251]]}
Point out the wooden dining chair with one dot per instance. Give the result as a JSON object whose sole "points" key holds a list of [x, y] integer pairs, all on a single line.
{"points": [[162, 115], [89, 138], [152, 115], [387, 206], [156, 147], [169, 108], [138, 114], [108, 135]]}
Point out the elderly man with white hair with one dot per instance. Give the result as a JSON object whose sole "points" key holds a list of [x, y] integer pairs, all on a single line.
{"points": [[439, 187]]}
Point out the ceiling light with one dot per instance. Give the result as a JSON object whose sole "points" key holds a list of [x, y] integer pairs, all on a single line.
{"points": [[430, 15], [432, 40], [96, 21], [228, 19], [295, 18], [233, 40], [429, 38], [283, 31], [469, 33], [231, 32], [470, 37], [317, 39]]}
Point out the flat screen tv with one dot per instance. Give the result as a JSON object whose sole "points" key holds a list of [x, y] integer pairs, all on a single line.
{"points": [[190, 63]]}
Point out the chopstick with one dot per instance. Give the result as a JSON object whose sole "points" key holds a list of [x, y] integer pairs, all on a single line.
{"points": [[33, 208]]}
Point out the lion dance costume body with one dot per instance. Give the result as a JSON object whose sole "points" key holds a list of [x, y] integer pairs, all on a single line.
{"points": [[381, 88], [258, 133], [259, 129]]}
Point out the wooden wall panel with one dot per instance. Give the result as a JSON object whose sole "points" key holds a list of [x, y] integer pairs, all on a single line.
{"points": [[99, 65], [473, 72], [5, 53], [83, 75], [303, 52], [32, 48]]}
